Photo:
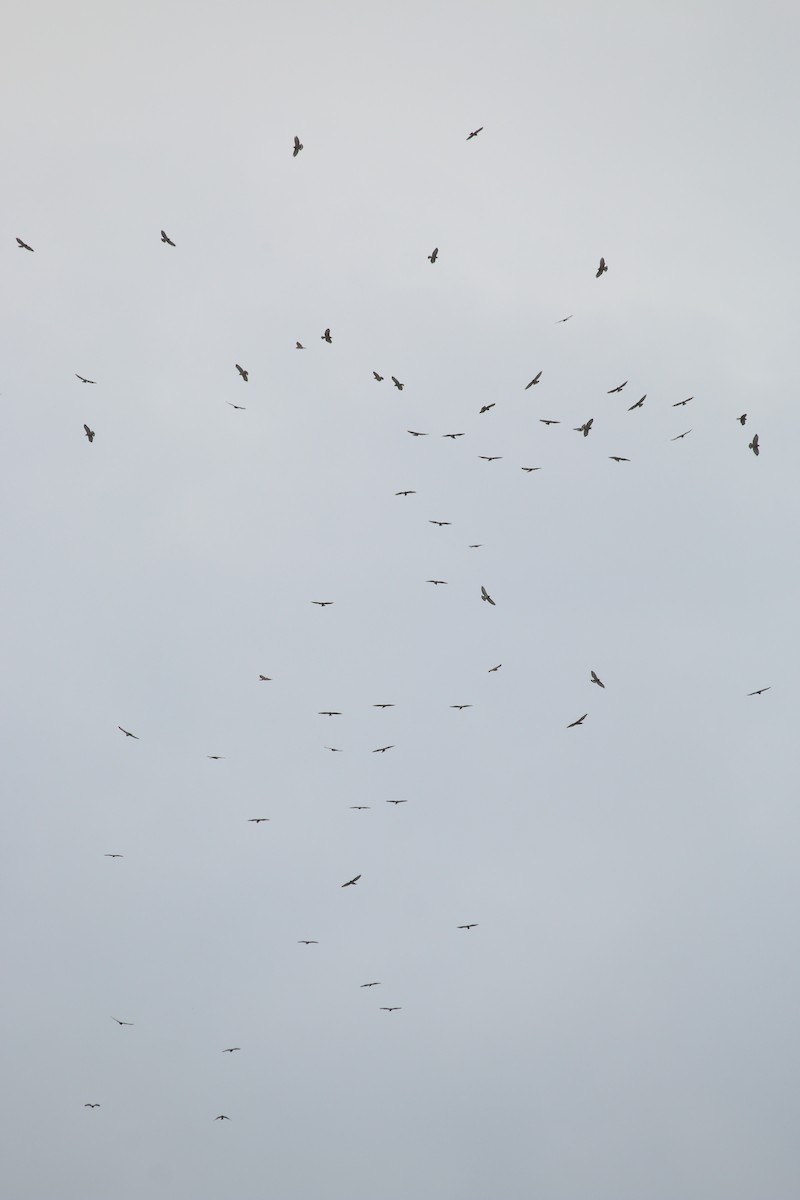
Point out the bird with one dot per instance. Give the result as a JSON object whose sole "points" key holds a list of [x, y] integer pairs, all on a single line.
{"points": [[490, 457], [375, 983], [486, 407], [244, 374], [618, 458], [333, 749], [164, 238], [121, 1022], [680, 435], [584, 429], [436, 581], [91, 1106], [397, 383], [241, 407], [265, 678], [452, 435], [352, 882], [616, 389], [681, 402], [433, 257], [474, 925], [601, 268], [596, 679], [416, 433], [326, 336], [758, 691], [383, 706], [638, 403], [497, 668], [230, 1049], [533, 382], [222, 1117], [299, 346], [322, 603], [307, 942], [393, 1008], [298, 146], [459, 706], [359, 807], [579, 721], [128, 733], [440, 523], [754, 445], [407, 492], [256, 820], [742, 418], [83, 379], [23, 245], [329, 713], [89, 433], [397, 802], [475, 133], [475, 546], [529, 469], [563, 319], [378, 377], [215, 757], [383, 749], [545, 421], [485, 596], [113, 856]]}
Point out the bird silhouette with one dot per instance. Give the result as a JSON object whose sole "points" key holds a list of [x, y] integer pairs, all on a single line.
{"points": [[474, 925], [433, 257], [596, 679], [244, 374], [89, 433], [359, 807], [680, 403], [298, 146], [601, 269], [121, 1022], [436, 582], [383, 706], [23, 245], [230, 1049], [584, 429], [638, 403], [383, 749], [397, 802], [618, 458], [375, 983], [452, 435], [398, 384], [754, 445], [485, 596], [563, 319], [323, 603], [379, 378], [166, 240], [128, 733], [215, 757], [307, 942], [546, 421], [113, 856], [329, 712], [299, 346], [533, 382], [240, 407], [758, 691], [222, 1117], [475, 546], [742, 418], [490, 457], [265, 678], [486, 407], [416, 433], [256, 820], [616, 389], [326, 336], [680, 435], [83, 379], [579, 721], [393, 1008], [497, 668], [529, 469], [333, 749], [459, 706], [91, 1106], [440, 523], [352, 882], [475, 133], [407, 492]]}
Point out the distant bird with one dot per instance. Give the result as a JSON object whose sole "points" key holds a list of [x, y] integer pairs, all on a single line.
{"points": [[596, 679], [742, 418], [375, 983], [377, 376], [91, 1106], [265, 678], [475, 133], [352, 882], [326, 336], [563, 319], [440, 523], [222, 1117], [486, 407], [529, 469], [459, 706], [475, 546], [359, 807], [533, 382], [256, 820], [415, 433], [113, 856], [299, 346], [397, 383], [754, 445], [497, 668], [165, 239], [306, 942], [579, 721], [383, 706], [230, 1049], [298, 146], [544, 421], [616, 389], [601, 268], [397, 802], [215, 757], [485, 596], [240, 407], [383, 749], [490, 457], [333, 749], [24, 245], [618, 458], [89, 433], [680, 435], [407, 492], [682, 402], [584, 429], [474, 925], [83, 379], [121, 1022], [758, 691], [433, 257], [436, 581], [322, 603], [638, 403], [452, 435], [329, 713], [394, 1008], [128, 733], [244, 374]]}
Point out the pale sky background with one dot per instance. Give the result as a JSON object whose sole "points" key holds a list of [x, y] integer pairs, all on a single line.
{"points": [[623, 1021]]}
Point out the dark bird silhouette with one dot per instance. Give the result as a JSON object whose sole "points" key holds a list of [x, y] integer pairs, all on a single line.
{"points": [[383, 749], [244, 374], [754, 445], [298, 146], [360, 807], [579, 721], [326, 336], [89, 433], [121, 1022], [113, 856], [680, 403], [618, 458], [128, 733], [215, 757], [307, 942], [329, 712], [486, 407], [461, 706], [485, 596], [375, 983], [490, 457], [680, 435], [533, 382], [379, 378], [601, 269], [475, 133], [240, 407], [758, 691], [584, 429], [452, 435], [383, 706], [474, 925], [407, 492], [352, 882], [265, 678], [91, 1106], [299, 346], [416, 433], [742, 418], [322, 603], [83, 379], [638, 403], [333, 749], [617, 389], [436, 581], [475, 546], [433, 257], [529, 469], [545, 421], [497, 668], [398, 384], [222, 1117], [596, 679], [256, 820], [166, 240], [397, 802], [230, 1049], [393, 1008], [23, 245], [563, 319], [440, 523]]}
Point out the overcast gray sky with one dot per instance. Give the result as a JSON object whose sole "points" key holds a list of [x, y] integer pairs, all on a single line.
{"points": [[622, 1022]]}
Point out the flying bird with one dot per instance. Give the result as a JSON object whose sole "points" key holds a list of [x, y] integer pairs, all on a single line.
{"points": [[433, 257], [24, 245], [529, 469], [379, 378], [394, 1008], [618, 458], [436, 581], [601, 268], [352, 882], [680, 435], [584, 429], [121, 1022], [563, 319], [222, 1117], [299, 346], [485, 596], [240, 407], [579, 721], [298, 146], [452, 435], [486, 407], [244, 374], [474, 925], [398, 384], [265, 678], [256, 820], [545, 421], [215, 757], [754, 445], [128, 733], [83, 378], [383, 706], [415, 433], [230, 1049], [742, 418], [165, 239], [91, 1106], [359, 807], [533, 382], [440, 523], [638, 403], [475, 546], [596, 679], [497, 668], [333, 749], [89, 433], [758, 691], [459, 706], [383, 749], [490, 457], [329, 713], [475, 133], [326, 336], [682, 402], [616, 389], [113, 856], [375, 983], [307, 942], [397, 802], [322, 603], [408, 492]]}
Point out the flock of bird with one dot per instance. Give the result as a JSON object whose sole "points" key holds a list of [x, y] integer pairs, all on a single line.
{"points": [[585, 429]]}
